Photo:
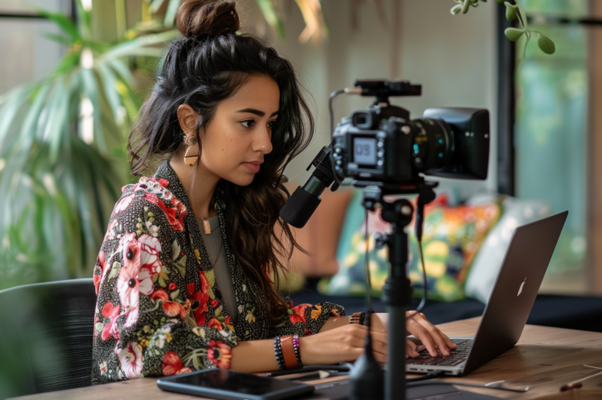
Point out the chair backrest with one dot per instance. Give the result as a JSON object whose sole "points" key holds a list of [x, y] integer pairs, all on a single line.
{"points": [[46, 335]]}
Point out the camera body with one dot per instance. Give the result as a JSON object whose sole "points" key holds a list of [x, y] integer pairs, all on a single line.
{"points": [[382, 143], [382, 147]]}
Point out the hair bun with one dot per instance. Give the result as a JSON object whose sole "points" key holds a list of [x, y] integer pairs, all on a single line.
{"points": [[198, 18]]}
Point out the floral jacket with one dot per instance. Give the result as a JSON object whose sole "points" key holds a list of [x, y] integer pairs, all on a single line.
{"points": [[159, 310]]}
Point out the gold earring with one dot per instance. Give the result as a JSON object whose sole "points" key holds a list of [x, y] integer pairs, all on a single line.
{"points": [[193, 158]]}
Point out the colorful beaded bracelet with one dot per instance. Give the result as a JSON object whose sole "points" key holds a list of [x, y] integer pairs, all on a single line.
{"points": [[297, 350], [357, 318]]}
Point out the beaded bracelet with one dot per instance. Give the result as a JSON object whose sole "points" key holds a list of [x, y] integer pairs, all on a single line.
{"points": [[297, 350], [357, 318], [278, 353]]}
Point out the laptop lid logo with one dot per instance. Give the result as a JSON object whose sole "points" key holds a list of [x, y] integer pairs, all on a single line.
{"points": [[520, 289]]}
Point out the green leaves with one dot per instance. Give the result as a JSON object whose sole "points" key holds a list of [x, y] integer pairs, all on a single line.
{"points": [[513, 33], [57, 173], [456, 9], [170, 13], [545, 44], [464, 5], [513, 12], [269, 13]]}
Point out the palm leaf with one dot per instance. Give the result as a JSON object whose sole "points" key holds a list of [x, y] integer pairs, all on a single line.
{"points": [[61, 39], [62, 21], [62, 189], [269, 13], [141, 44], [12, 102], [170, 14], [110, 88], [85, 20], [54, 132], [91, 90], [67, 64], [156, 5], [31, 122]]}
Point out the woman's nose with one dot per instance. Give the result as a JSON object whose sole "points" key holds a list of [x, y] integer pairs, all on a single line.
{"points": [[263, 141]]}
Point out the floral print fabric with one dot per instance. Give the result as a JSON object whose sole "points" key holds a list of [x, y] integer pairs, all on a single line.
{"points": [[159, 310]]}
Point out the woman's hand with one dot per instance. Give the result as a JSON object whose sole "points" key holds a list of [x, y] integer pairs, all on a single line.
{"points": [[341, 344], [417, 324], [430, 336]]}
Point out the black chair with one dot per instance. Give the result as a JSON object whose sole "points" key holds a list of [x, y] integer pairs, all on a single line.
{"points": [[46, 333]]}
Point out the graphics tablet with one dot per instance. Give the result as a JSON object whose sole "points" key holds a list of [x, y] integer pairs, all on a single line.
{"points": [[230, 385]]}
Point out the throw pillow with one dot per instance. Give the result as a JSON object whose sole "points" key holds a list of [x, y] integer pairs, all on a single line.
{"points": [[488, 262], [452, 237]]}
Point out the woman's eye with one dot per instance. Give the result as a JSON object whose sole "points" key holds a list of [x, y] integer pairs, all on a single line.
{"points": [[271, 124], [248, 124]]}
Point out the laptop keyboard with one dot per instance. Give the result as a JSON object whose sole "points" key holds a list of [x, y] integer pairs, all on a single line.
{"points": [[457, 356]]}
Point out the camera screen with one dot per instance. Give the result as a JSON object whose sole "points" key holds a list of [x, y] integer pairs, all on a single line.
{"points": [[364, 151]]}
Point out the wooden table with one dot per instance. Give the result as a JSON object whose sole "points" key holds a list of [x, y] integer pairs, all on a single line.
{"points": [[544, 359]]}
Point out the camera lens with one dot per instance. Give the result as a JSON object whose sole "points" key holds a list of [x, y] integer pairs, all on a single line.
{"points": [[432, 144]]}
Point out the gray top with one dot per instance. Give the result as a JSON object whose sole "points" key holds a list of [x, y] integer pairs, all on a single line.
{"points": [[217, 258]]}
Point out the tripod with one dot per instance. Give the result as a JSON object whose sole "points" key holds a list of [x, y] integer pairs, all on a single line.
{"points": [[397, 289]]}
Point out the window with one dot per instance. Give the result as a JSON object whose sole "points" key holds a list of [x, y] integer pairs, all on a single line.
{"points": [[550, 132], [26, 54]]}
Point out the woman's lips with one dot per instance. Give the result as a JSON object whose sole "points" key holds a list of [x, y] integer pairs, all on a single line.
{"points": [[252, 166]]}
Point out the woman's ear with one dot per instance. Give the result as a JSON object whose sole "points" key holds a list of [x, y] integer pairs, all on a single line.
{"points": [[188, 119]]}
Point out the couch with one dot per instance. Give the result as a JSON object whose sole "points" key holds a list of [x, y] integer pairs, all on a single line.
{"points": [[324, 236]]}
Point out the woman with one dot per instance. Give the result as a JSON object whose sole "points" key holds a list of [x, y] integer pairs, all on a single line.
{"points": [[183, 274]]}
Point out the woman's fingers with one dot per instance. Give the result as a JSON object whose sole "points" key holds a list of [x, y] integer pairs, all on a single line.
{"points": [[411, 349], [441, 339], [430, 336], [415, 328]]}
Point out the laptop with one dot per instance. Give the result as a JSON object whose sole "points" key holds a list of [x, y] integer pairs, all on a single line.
{"points": [[509, 305]]}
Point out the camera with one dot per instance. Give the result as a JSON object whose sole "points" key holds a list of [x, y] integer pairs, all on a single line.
{"points": [[387, 153], [382, 143], [381, 146]]}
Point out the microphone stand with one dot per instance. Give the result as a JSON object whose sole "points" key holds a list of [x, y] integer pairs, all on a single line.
{"points": [[397, 290]]}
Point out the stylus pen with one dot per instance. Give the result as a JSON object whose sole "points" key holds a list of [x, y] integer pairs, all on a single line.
{"points": [[312, 376], [310, 368]]}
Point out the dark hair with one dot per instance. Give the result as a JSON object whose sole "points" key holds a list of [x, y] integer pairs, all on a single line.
{"points": [[204, 67]]}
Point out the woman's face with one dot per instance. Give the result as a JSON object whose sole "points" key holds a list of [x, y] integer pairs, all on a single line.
{"points": [[236, 140]]}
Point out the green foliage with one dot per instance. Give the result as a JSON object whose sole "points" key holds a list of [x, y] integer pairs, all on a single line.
{"points": [[269, 13], [170, 14], [513, 12], [58, 185]]}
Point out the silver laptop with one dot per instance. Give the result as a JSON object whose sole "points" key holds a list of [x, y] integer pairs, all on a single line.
{"points": [[509, 305]]}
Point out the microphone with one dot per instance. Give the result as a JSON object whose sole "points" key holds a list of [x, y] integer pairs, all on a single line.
{"points": [[303, 202]]}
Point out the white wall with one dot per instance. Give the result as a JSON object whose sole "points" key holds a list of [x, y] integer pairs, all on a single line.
{"points": [[453, 57]]}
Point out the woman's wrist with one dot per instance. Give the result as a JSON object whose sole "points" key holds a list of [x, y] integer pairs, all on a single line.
{"points": [[334, 322], [379, 321], [306, 351]]}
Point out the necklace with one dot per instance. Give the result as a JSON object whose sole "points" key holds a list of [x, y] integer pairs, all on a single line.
{"points": [[207, 229], [206, 226]]}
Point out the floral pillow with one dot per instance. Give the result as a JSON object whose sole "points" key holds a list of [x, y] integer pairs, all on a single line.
{"points": [[451, 239]]}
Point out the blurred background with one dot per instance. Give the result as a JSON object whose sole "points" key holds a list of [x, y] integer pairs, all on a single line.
{"points": [[73, 75]]}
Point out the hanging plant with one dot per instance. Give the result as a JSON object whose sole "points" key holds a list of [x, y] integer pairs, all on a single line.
{"points": [[513, 12]]}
